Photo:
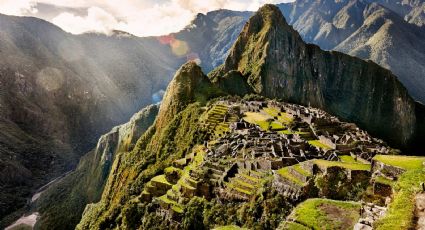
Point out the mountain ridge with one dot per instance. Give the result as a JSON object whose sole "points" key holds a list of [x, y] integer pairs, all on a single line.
{"points": [[277, 63]]}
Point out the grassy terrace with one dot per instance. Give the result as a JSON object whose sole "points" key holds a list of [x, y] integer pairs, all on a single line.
{"points": [[235, 187], [259, 119], [347, 165], [300, 170], [319, 144], [292, 226], [267, 121], [229, 227], [326, 214], [347, 159], [284, 172], [174, 205], [405, 162], [384, 180], [274, 112], [161, 179], [400, 213]]}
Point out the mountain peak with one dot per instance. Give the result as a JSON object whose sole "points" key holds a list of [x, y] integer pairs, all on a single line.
{"points": [[277, 63], [181, 91]]}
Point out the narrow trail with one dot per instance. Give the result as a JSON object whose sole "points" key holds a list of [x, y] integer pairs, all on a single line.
{"points": [[30, 220]]}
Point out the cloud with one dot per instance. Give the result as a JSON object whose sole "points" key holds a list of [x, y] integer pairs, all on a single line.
{"points": [[17, 7], [97, 20], [139, 17]]}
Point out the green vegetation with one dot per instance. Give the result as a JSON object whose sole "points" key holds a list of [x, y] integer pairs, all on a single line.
{"points": [[400, 214], [327, 214], [383, 180], [161, 179], [404, 162], [283, 117], [292, 226], [284, 172], [229, 227], [259, 119], [319, 144], [347, 159], [351, 166], [300, 170]]}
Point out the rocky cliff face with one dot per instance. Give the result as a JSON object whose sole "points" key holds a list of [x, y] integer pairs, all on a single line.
{"points": [[278, 64], [372, 30], [62, 204]]}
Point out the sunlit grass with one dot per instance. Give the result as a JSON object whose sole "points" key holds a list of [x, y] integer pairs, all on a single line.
{"points": [[319, 144], [405, 162]]}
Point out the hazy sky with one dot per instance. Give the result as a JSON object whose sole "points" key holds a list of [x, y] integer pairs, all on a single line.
{"points": [[139, 17]]}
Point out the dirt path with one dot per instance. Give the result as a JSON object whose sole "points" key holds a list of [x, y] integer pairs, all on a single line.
{"points": [[31, 219], [25, 221]]}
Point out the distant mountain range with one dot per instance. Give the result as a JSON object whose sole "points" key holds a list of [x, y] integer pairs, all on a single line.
{"points": [[385, 34]]}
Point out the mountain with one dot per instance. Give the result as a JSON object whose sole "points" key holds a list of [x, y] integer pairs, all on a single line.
{"points": [[278, 64], [210, 36], [213, 159], [368, 30], [413, 11], [62, 204], [59, 92]]}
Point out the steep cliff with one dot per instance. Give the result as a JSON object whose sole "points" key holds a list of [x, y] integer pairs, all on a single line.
{"points": [[381, 31], [62, 204], [278, 64]]}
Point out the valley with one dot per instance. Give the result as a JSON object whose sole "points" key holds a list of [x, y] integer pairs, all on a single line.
{"points": [[258, 129]]}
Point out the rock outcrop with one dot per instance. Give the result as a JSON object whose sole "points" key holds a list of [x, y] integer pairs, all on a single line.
{"points": [[278, 64], [61, 205]]}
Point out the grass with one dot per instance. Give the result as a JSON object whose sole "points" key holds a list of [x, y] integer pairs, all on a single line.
{"points": [[259, 119], [400, 214], [327, 214], [243, 183], [319, 144], [383, 180], [286, 132], [404, 162], [351, 166], [284, 172], [347, 159], [229, 227], [161, 179], [300, 170], [235, 187], [275, 125], [293, 226], [174, 205], [274, 112], [251, 178]]}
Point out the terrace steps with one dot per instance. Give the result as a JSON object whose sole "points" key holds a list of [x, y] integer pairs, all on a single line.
{"points": [[244, 184]]}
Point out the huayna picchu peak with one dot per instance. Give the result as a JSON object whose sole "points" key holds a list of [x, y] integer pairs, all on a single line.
{"points": [[281, 135], [278, 64]]}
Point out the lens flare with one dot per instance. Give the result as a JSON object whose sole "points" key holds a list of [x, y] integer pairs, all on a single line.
{"points": [[166, 39], [179, 47], [50, 79]]}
